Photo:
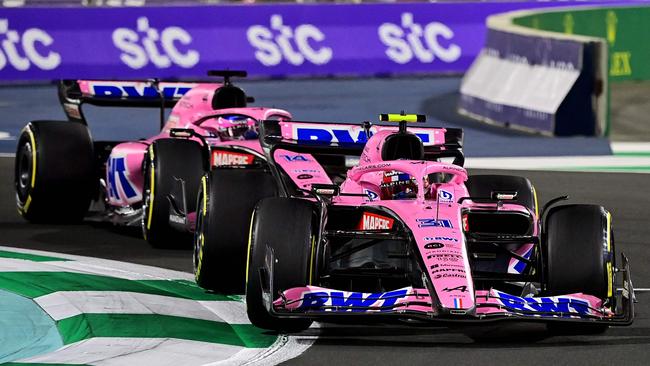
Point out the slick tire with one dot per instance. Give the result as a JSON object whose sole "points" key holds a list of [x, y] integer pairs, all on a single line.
{"points": [[55, 177], [484, 185], [225, 203], [578, 254], [167, 161], [287, 226]]}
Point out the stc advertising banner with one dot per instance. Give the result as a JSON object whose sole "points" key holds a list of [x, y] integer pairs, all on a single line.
{"points": [[265, 40]]}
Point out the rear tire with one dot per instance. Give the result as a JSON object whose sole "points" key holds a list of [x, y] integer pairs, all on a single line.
{"points": [[287, 226], [483, 186], [168, 160], [226, 201], [55, 177], [579, 257]]}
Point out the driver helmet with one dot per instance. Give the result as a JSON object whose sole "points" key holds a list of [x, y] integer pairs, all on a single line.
{"points": [[397, 185], [237, 127]]}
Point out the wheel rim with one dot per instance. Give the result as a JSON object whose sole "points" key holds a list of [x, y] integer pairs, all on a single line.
{"points": [[198, 235], [146, 197], [24, 172]]}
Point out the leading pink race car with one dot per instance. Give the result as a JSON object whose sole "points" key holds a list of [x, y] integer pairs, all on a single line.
{"points": [[407, 235], [61, 170]]}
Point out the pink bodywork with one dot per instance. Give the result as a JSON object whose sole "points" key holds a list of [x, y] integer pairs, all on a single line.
{"points": [[434, 219], [194, 111]]}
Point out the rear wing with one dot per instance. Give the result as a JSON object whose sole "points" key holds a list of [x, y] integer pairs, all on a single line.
{"points": [[119, 93], [350, 138]]}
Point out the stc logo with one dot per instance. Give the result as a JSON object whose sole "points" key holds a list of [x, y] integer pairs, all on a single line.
{"points": [[141, 46], [293, 45], [33, 43], [422, 42]]}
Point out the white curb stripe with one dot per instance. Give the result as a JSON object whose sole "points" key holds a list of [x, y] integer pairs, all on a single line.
{"points": [[138, 351], [66, 304], [618, 147], [80, 264]]}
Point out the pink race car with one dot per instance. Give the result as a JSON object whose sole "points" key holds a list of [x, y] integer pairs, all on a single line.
{"points": [[408, 236], [152, 182]]}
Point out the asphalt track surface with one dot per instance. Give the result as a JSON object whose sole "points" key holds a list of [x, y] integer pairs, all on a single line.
{"points": [[505, 343]]}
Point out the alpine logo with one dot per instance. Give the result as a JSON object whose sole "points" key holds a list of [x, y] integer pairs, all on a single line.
{"points": [[370, 221], [457, 288], [295, 158], [445, 196], [371, 195], [221, 158]]}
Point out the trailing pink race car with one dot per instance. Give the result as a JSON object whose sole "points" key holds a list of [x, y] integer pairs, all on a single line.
{"points": [[407, 236], [152, 182]]}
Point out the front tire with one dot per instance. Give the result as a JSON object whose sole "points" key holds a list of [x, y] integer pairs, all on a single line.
{"points": [[167, 161], [225, 203], [286, 225], [55, 177], [579, 257]]}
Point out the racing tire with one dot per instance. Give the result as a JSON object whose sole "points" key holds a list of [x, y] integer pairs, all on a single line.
{"points": [[168, 160], [579, 256], [483, 186], [287, 226], [55, 177], [225, 202]]}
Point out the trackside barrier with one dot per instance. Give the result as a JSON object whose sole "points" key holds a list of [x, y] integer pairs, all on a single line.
{"points": [[279, 40], [537, 73]]}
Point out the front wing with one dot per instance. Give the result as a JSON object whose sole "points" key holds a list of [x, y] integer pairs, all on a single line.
{"points": [[417, 304]]}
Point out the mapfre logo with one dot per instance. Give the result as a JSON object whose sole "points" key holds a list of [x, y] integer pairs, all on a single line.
{"points": [[161, 48], [294, 45], [426, 43], [370, 221], [221, 158], [21, 51]]}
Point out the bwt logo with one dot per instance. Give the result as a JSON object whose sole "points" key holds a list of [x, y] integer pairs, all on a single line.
{"points": [[343, 136], [33, 43], [422, 42], [545, 304], [293, 45], [118, 90], [351, 301], [141, 46]]}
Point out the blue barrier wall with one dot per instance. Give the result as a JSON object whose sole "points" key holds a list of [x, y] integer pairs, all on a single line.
{"points": [[267, 40]]}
